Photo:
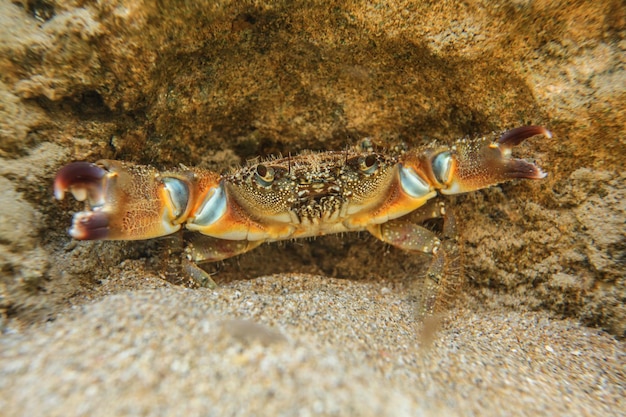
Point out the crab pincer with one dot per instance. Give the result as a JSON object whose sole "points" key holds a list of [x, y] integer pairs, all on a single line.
{"points": [[82, 179], [124, 201], [86, 182], [481, 163]]}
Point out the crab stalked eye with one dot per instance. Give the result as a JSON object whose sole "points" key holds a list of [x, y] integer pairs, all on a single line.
{"points": [[442, 167], [368, 164], [264, 176], [412, 183]]}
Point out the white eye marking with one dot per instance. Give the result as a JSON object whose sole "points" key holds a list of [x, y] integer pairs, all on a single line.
{"points": [[213, 207], [178, 194], [442, 167], [413, 184]]}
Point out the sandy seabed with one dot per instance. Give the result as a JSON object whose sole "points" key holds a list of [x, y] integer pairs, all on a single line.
{"points": [[303, 345]]}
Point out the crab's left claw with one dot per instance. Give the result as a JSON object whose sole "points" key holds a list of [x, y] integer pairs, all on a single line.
{"points": [[467, 166], [480, 164], [125, 201]]}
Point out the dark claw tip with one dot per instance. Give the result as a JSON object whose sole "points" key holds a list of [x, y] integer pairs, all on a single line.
{"points": [[90, 225], [516, 136], [518, 168], [76, 173]]}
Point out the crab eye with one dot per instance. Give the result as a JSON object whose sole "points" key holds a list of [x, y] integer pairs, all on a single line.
{"points": [[368, 164], [264, 176]]}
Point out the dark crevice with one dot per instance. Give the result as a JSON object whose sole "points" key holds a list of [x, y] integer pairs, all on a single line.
{"points": [[41, 10]]}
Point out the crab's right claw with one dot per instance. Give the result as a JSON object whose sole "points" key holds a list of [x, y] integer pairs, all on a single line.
{"points": [[480, 164], [125, 201]]}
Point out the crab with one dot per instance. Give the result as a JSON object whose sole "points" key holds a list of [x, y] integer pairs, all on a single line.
{"points": [[389, 194]]}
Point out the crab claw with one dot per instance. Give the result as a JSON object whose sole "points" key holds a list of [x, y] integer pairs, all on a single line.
{"points": [[479, 164], [125, 201], [82, 179]]}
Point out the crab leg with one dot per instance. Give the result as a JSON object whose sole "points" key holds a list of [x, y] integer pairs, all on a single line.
{"points": [[443, 276], [406, 233], [202, 248]]}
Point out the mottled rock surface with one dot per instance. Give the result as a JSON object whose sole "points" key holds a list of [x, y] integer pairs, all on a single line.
{"points": [[216, 83]]}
